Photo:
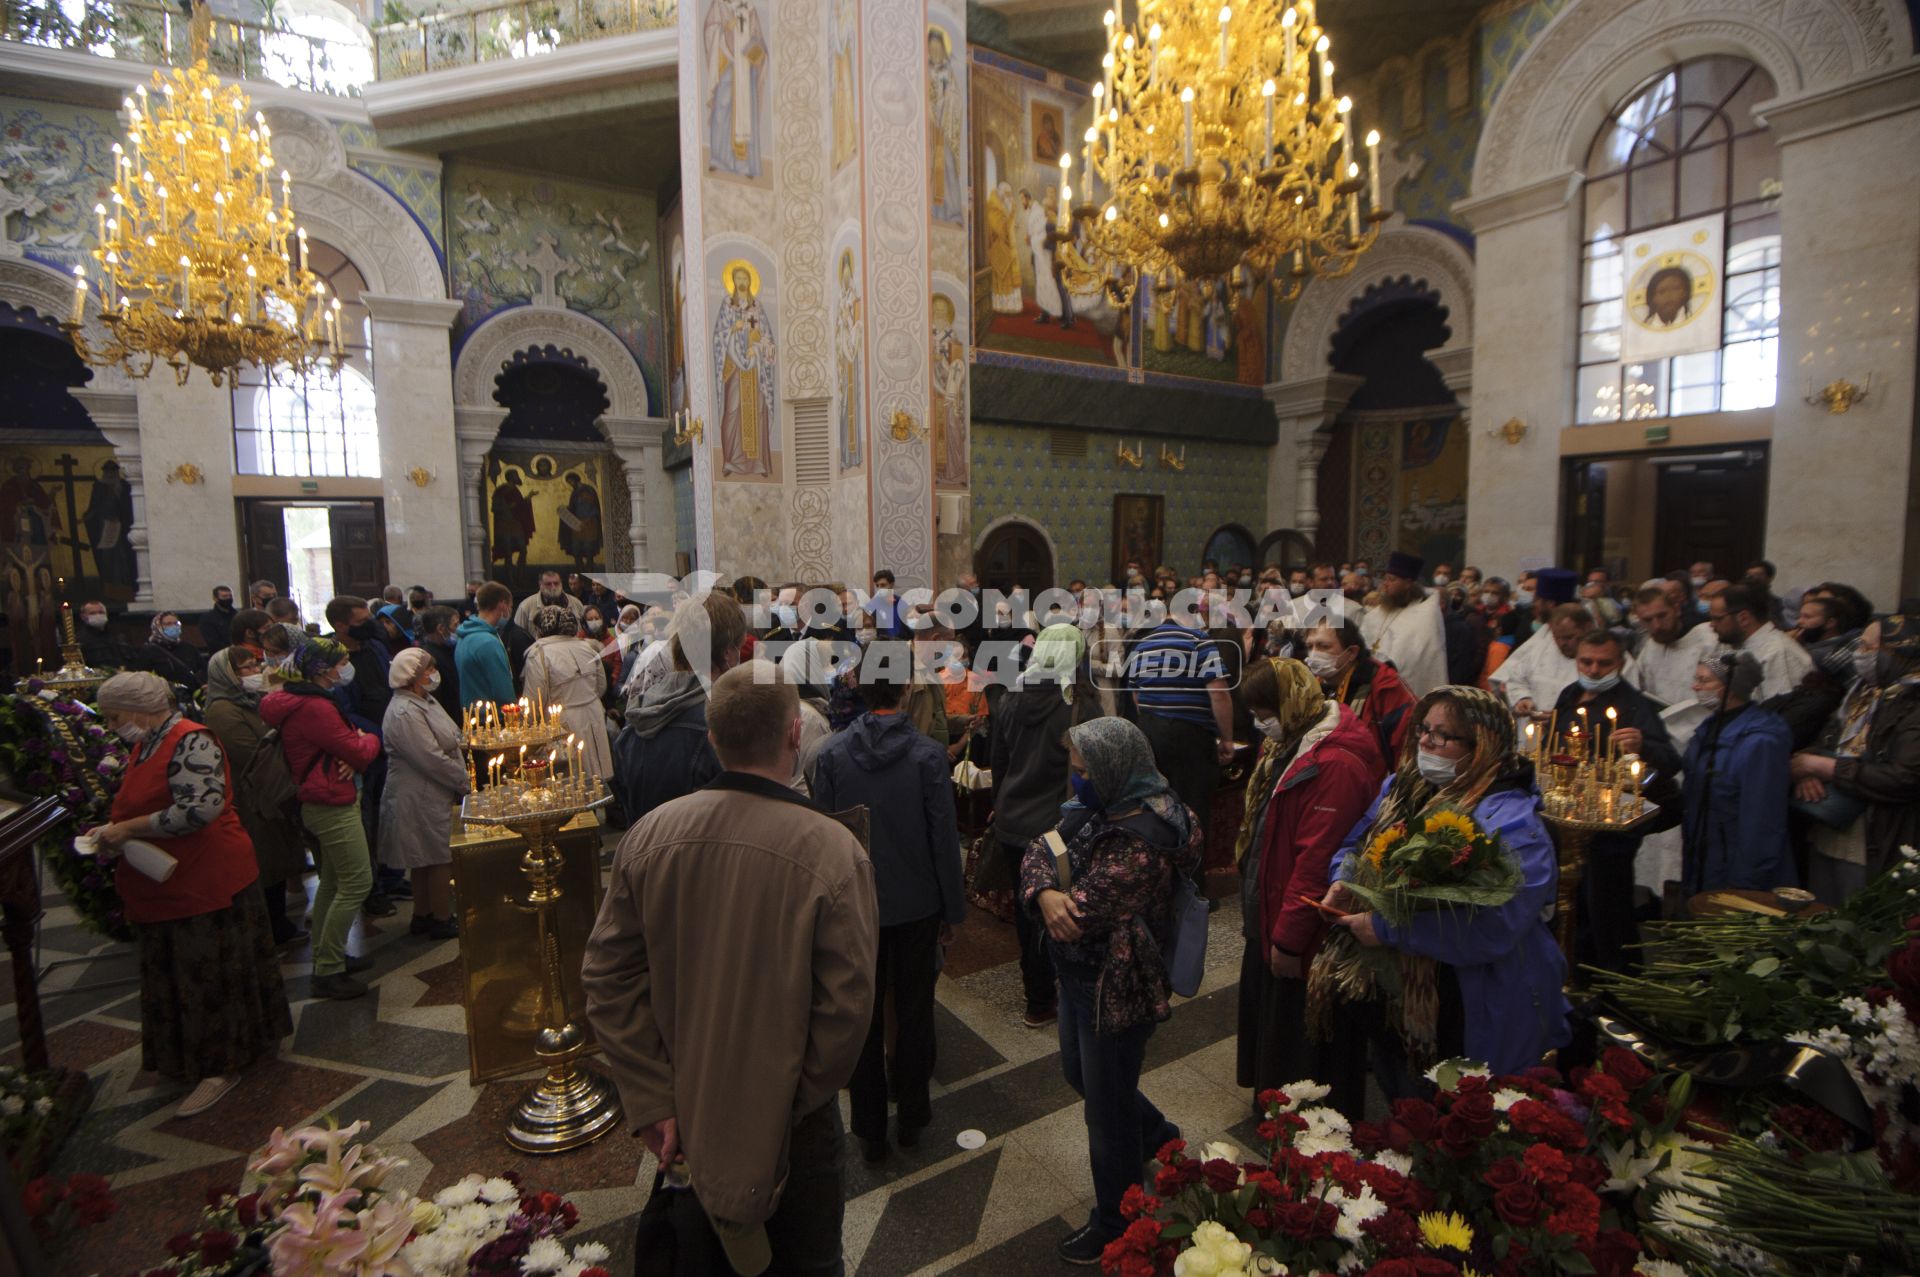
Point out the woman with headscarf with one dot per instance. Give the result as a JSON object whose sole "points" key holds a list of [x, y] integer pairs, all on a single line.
{"points": [[236, 680], [1318, 768], [426, 775], [326, 753], [1480, 981], [565, 670], [1127, 835], [211, 1001], [1030, 769], [167, 656], [1736, 785], [1874, 759], [595, 630], [393, 626]]}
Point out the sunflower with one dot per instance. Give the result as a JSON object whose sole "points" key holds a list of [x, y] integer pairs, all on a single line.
{"points": [[1446, 1232], [1458, 822], [1383, 842]]}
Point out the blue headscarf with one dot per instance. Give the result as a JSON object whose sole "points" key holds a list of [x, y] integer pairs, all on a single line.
{"points": [[392, 612], [1119, 763]]}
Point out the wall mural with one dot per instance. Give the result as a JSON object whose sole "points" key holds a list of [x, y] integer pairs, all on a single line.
{"points": [[1215, 330], [55, 165], [947, 380], [843, 33], [946, 126], [743, 429], [733, 45], [849, 357], [674, 311], [497, 219], [545, 509], [1021, 302], [65, 511], [1431, 498]]}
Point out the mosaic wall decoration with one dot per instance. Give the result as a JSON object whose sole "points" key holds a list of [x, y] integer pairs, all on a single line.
{"points": [[1447, 146], [843, 49], [1375, 482], [946, 121], [1505, 35], [55, 165], [1016, 472], [674, 309], [743, 427], [497, 223]]}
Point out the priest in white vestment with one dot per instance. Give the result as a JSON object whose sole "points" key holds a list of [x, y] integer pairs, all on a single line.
{"points": [[1669, 653], [1407, 628]]}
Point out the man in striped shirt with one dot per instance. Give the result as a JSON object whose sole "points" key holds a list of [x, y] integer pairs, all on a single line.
{"points": [[1179, 684]]}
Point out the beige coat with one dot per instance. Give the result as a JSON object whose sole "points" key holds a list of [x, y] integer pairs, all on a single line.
{"points": [[568, 672], [729, 978]]}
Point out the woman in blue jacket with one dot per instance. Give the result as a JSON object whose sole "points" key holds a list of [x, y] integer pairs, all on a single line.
{"points": [[1737, 785], [1481, 981]]}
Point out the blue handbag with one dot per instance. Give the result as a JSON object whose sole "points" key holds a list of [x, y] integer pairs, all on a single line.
{"points": [[1186, 948]]}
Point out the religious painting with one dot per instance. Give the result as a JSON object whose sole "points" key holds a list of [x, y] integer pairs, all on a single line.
{"points": [[1034, 292], [1216, 330], [1139, 530], [66, 515], [675, 310], [843, 34], [545, 509], [742, 426], [849, 345], [947, 382], [1673, 293], [1430, 500], [734, 50], [946, 125]]}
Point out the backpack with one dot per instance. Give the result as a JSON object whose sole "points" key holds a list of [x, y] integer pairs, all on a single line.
{"points": [[269, 780]]}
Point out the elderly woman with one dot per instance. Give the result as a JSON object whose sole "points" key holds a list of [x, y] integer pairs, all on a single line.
{"points": [[1736, 784], [426, 775], [1481, 981], [565, 670], [325, 753], [236, 681], [211, 1001], [1873, 759], [1126, 835], [1318, 768], [167, 656]]}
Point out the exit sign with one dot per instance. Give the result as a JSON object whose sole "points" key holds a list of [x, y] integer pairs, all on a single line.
{"points": [[309, 487], [1659, 434]]}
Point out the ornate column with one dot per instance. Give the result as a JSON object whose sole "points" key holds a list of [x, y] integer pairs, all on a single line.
{"points": [[1305, 409], [413, 401], [474, 430], [1456, 372], [638, 442], [117, 415]]}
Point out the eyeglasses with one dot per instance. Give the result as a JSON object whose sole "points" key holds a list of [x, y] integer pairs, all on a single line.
{"points": [[1435, 736]]}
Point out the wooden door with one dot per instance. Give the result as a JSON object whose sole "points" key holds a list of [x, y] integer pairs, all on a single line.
{"points": [[263, 545], [1015, 554], [359, 548], [1713, 509], [1583, 539]]}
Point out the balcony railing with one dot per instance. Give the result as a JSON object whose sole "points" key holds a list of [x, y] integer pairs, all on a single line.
{"points": [[156, 34], [519, 29]]}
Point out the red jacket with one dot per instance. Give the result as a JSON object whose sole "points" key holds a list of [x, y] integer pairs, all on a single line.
{"points": [[1325, 792], [1388, 709], [312, 726]]}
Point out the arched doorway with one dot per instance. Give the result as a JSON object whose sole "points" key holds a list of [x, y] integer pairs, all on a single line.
{"points": [[1286, 549], [1014, 554], [1230, 545]]}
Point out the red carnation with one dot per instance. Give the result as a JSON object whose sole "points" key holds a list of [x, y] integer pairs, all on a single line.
{"points": [[1434, 1266], [1170, 1150], [1544, 1120], [1393, 1268], [1547, 1164], [1137, 1202], [1615, 1253], [180, 1244], [1623, 1064], [217, 1248], [1518, 1204], [1172, 1179], [1307, 1221], [1505, 1172], [1221, 1175]]}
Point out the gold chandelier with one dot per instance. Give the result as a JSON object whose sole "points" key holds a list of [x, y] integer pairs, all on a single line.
{"points": [[197, 263], [1218, 145]]}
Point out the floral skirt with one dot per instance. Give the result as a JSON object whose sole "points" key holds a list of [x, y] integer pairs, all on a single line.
{"points": [[211, 999]]}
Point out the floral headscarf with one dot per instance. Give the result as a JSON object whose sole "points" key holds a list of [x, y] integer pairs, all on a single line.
{"points": [[1303, 702], [1489, 722], [1119, 763], [312, 656], [1056, 658], [156, 631], [555, 621]]}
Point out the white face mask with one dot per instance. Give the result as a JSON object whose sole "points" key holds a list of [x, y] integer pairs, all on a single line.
{"points": [[433, 682], [1707, 700], [343, 674], [1436, 770], [1269, 728], [1441, 578], [131, 733], [1323, 664], [1523, 598], [97, 620], [1698, 581], [1490, 600], [254, 682], [595, 625]]}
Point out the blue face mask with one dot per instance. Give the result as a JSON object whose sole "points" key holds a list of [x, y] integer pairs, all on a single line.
{"points": [[171, 633], [1084, 791], [787, 614], [1600, 684]]}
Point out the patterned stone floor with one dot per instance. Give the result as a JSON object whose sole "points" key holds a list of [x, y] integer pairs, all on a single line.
{"points": [[397, 1059]]}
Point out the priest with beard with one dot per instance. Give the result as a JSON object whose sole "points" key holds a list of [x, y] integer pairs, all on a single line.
{"points": [[1407, 630]]}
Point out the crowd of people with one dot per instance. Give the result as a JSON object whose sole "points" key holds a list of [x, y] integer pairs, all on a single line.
{"points": [[785, 758]]}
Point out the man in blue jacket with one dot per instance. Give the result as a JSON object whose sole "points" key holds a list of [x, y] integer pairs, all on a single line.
{"points": [[478, 654], [903, 779]]}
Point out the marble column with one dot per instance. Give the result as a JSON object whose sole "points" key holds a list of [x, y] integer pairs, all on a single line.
{"points": [[639, 442], [192, 535], [474, 430], [419, 464], [117, 416], [1306, 410]]}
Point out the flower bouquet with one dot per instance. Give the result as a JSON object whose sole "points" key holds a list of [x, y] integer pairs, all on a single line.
{"points": [[57, 747], [1440, 859]]}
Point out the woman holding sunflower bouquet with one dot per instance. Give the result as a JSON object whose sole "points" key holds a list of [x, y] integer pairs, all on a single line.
{"points": [[1444, 891]]}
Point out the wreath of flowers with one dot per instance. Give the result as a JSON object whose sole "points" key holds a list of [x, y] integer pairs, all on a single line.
{"points": [[56, 747]]}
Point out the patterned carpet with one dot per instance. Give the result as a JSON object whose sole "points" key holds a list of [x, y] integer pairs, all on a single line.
{"points": [[398, 1060]]}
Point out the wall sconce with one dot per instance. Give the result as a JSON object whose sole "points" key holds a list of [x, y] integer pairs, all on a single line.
{"points": [[186, 472], [1839, 396], [1513, 431], [904, 427], [1130, 457], [421, 476], [1170, 462], [688, 428]]}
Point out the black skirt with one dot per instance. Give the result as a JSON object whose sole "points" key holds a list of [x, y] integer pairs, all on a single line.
{"points": [[211, 998], [1275, 1048]]}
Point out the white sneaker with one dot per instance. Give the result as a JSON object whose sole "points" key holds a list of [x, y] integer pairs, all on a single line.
{"points": [[204, 1096]]}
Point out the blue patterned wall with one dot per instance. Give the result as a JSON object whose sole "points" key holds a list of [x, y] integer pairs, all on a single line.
{"points": [[1448, 142], [683, 532], [1506, 32], [417, 189], [1016, 473], [61, 157]]}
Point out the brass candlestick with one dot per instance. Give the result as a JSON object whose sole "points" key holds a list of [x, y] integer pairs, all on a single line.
{"points": [[74, 677], [572, 1105]]}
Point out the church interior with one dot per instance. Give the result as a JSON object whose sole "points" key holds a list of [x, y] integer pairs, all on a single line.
{"points": [[802, 291]]}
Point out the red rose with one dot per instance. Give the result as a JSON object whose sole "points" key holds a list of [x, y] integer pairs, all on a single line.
{"points": [[1172, 1179], [180, 1244], [248, 1208], [1261, 1218], [1307, 1221], [1503, 1173], [1615, 1253], [1457, 1137], [1621, 1063], [1470, 1084], [1368, 1137], [1393, 1268], [1518, 1205], [1590, 1172], [1395, 1233], [1418, 1116], [217, 1248], [1478, 1113], [1221, 1175]]}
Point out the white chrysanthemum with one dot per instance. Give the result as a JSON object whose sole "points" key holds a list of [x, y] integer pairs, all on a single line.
{"points": [[1218, 1151], [1647, 1266], [591, 1253], [1355, 1211], [1304, 1092], [473, 1218], [498, 1190], [1506, 1097], [459, 1194], [1398, 1163], [545, 1255], [12, 1106], [1328, 1131]]}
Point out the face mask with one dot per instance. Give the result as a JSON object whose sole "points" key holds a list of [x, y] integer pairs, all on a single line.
{"points": [[1600, 684], [96, 620], [1490, 601], [254, 682], [364, 632], [1323, 664], [225, 605], [628, 627], [1084, 791], [1707, 700], [1441, 578], [1436, 770], [1270, 728], [1698, 581], [1296, 590], [131, 733], [596, 625], [1866, 664], [343, 674], [787, 614], [171, 633], [1523, 598], [433, 681]]}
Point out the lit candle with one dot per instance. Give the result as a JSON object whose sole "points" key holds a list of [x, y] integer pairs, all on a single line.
{"points": [[162, 193], [1106, 67], [1373, 169], [300, 237], [1226, 16], [100, 219], [286, 189], [1186, 115], [1153, 63], [1287, 21], [1326, 66], [1300, 122], [1353, 205], [186, 274], [1066, 191], [79, 296], [1266, 92], [1345, 107]]}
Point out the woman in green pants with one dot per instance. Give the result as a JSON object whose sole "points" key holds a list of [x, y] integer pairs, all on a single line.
{"points": [[325, 753]]}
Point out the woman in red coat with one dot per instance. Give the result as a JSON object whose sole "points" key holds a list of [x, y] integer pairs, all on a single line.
{"points": [[211, 1001], [1318, 768]]}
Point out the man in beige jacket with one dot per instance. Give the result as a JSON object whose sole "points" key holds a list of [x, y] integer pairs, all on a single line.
{"points": [[729, 979]]}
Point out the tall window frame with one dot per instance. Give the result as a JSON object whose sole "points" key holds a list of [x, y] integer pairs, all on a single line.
{"points": [[321, 424], [1681, 146]]}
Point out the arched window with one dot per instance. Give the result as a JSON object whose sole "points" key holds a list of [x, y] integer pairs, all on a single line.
{"points": [[320, 46], [322, 423], [1683, 146]]}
